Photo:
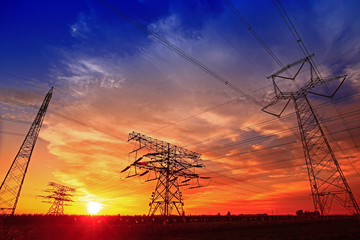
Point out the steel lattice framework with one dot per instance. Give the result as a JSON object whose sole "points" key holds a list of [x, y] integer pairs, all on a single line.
{"points": [[60, 196], [11, 186], [327, 180], [173, 167]]}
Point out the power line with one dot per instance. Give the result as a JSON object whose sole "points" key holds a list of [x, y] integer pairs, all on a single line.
{"points": [[251, 64], [350, 114], [206, 110], [293, 31], [116, 188], [270, 147], [176, 50], [259, 39], [231, 177], [234, 144], [222, 104], [11, 133], [14, 120], [274, 162], [303, 48], [170, 124], [111, 189], [253, 32], [258, 124], [236, 187], [192, 116], [265, 123], [61, 116], [318, 74]]}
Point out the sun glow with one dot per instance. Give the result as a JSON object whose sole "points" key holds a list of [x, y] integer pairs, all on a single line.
{"points": [[94, 207]]}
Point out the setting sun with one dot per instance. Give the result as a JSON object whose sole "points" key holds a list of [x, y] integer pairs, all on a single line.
{"points": [[94, 207]]}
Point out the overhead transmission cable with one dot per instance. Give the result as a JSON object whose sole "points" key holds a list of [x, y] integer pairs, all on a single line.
{"points": [[265, 123], [232, 144], [269, 163], [262, 43], [253, 32], [230, 101], [247, 25], [274, 133], [305, 51], [236, 143], [177, 50], [204, 111], [266, 148], [115, 188], [226, 82], [233, 176], [300, 43], [60, 116], [170, 124], [111, 189]]}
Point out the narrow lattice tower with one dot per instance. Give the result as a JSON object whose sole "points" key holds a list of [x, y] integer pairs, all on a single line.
{"points": [[328, 184], [171, 166], [59, 197], [11, 186]]}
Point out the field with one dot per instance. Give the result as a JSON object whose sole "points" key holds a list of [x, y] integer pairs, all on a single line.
{"points": [[193, 227]]}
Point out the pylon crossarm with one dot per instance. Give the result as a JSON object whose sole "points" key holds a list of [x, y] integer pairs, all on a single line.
{"points": [[169, 163], [150, 166], [178, 166], [323, 81], [287, 67], [158, 145], [275, 101]]}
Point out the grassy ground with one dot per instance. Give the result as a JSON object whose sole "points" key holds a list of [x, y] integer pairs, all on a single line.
{"points": [[96, 229]]}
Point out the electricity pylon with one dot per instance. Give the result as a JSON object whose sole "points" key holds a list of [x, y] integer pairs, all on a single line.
{"points": [[327, 180], [11, 186], [59, 195], [172, 166]]}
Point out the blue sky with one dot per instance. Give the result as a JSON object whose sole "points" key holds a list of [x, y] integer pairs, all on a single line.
{"points": [[35, 34], [112, 79]]}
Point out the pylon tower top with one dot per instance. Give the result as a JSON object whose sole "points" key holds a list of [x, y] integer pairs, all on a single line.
{"points": [[171, 166], [59, 197], [313, 80]]}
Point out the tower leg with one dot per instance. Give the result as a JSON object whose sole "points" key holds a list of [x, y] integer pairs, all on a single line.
{"points": [[327, 181], [11, 186], [166, 197]]}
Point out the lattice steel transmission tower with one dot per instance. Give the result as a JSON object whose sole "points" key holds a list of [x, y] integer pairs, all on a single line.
{"points": [[327, 181], [171, 166], [11, 186], [61, 196]]}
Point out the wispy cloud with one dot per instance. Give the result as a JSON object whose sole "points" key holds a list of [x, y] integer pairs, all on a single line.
{"points": [[80, 28]]}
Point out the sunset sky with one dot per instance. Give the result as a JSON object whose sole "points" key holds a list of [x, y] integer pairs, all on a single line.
{"points": [[110, 79]]}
